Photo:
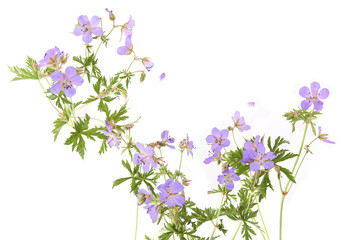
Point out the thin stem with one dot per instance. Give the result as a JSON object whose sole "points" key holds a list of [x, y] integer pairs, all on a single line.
{"points": [[260, 230], [217, 216], [285, 190], [261, 217], [236, 232], [234, 139], [47, 96], [180, 162], [137, 211], [131, 64]]}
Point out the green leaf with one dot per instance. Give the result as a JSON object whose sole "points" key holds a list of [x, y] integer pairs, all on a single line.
{"points": [[58, 124], [288, 174], [25, 73], [120, 181]]}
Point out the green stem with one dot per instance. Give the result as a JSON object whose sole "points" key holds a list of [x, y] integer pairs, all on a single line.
{"points": [[261, 217], [137, 211], [234, 139], [217, 216], [285, 190], [236, 232], [180, 162], [260, 230], [47, 96]]}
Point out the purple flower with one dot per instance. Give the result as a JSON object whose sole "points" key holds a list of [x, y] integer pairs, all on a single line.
{"points": [[228, 176], [214, 157], [52, 58], [144, 197], [147, 63], [126, 28], [169, 193], [189, 146], [65, 81], [312, 96], [165, 139], [153, 211], [239, 122], [324, 136], [256, 156], [145, 157], [87, 28], [251, 104], [162, 76], [218, 139], [127, 49], [112, 139]]}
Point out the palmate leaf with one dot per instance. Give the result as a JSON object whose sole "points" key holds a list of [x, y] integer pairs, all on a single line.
{"points": [[288, 174], [58, 124], [25, 73]]}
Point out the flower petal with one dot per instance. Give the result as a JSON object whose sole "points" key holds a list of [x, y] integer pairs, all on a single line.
{"points": [[229, 185], [122, 50], [305, 92], [164, 135], [83, 19], [176, 187], [87, 37], [318, 105], [69, 90], [98, 31], [70, 72], [77, 80], [323, 94], [305, 104], [57, 76], [315, 88], [254, 166], [260, 148], [145, 167], [56, 88], [220, 179], [94, 21], [78, 31], [224, 133], [216, 132], [268, 164]]}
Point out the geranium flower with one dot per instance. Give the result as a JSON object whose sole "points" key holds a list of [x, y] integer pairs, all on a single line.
{"points": [[153, 211], [324, 136], [65, 81], [255, 155], [145, 157], [144, 197], [165, 139], [239, 122], [86, 28], [218, 139], [112, 139], [169, 193], [52, 58], [147, 63], [228, 176], [312, 96], [127, 49], [126, 28]]}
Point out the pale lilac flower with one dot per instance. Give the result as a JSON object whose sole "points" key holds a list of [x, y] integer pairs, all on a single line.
{"points": [[65, 81], [312, 96], [169, 193], [162, 76], [255, 155], [147, 63], [144, 196], [112, 139], [218, 139], [214, 157], [239, 122], [165, 140], [145, 157], [324, 136], [52, 58], [127, 49], [153, 211], [228, 176], [126, 28], [86, 28]]}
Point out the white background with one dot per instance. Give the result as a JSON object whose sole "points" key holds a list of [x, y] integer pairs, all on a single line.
{"points": [[217, 57]]}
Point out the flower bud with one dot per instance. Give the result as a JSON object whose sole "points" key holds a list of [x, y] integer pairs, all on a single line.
{"points": [[79, 71], [277, 169], [143, 76], [186, 182], [35, 66]]}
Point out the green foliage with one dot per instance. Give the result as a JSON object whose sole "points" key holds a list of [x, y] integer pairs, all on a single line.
{"points": [[26, 73], [89, 64], [302, 115], [58, 124]]}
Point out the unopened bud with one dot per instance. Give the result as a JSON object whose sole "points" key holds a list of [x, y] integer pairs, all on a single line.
{"points": [[230, 128], [186, 182], [129, 126], [79, 71], [277, 169], [143, 76], [125, 94], [35, 66]]}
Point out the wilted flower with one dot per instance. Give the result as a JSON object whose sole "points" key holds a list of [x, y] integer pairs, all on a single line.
{"points": [[126, 28], [153, 211], [256, 156], [186, 144], [127, 49], [144, 197], [65, 81], [228, 176], [145, 157], [169, 193], [324, 136], [239, 122], [218, 139], [147, 63], [112, 16], [53, 58], [312, 96], [112, 139]]}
